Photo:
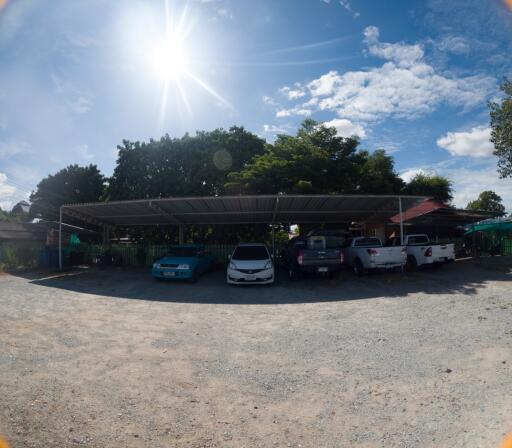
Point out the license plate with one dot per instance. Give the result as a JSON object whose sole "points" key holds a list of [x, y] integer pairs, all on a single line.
{"points": [[169, 274], [323, 269], [250, 278]]}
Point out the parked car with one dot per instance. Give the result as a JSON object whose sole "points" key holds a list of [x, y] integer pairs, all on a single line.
{"points": [[184, 262], [250, 263], [422, 252], [314, 254], [366, 253]]}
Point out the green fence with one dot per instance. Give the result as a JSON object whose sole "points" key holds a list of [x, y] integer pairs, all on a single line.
{"points": [[27, 255]]}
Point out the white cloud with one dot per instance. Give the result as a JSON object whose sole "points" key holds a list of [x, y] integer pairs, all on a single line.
{"points": [[346, 128], [82, 105], [470, 182], [7, 193], [225, 13], [474, 143], [12, 148], [293, 111], [346, 4], [293, 94], [404, 86], [274, 129], [454, 44], [407, 175], [84, 153]]}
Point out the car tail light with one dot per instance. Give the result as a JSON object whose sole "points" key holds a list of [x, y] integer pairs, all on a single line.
{"points": [[428, 252], [372, 251], [300, 258]]}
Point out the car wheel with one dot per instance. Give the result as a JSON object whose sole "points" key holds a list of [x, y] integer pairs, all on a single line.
{"points": [[359, 268], [412, 264]]}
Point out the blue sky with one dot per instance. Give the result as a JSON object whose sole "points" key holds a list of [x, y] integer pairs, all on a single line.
{"points": [[412, 77]]}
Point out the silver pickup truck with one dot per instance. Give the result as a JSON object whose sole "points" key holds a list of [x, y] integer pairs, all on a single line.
{"points": [[423, 252], [365, 253]]}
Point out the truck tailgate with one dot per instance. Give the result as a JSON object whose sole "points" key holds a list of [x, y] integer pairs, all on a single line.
{"points": [[443, 252], [321, 257], [388, 256]]}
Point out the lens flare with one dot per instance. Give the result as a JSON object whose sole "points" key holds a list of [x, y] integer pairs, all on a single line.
{"points": [[508, 3], [2, 4]]}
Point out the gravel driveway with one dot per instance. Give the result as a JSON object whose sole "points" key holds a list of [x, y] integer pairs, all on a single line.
{"points": [[114, 359]]}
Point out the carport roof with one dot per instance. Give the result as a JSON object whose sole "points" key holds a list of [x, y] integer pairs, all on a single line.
{"points": [[255, 209]]}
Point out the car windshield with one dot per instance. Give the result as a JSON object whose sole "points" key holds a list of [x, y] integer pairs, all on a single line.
{"points": [[182, 252], [250, 253]]}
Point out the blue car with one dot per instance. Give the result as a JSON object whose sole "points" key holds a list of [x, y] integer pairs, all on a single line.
{"points": [[184, 262]]}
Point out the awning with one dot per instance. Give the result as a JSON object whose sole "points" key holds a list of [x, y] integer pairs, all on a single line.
{"points": [[255, 209]]}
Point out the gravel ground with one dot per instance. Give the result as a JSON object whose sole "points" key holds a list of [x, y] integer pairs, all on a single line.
{"points": [[114, 359]]}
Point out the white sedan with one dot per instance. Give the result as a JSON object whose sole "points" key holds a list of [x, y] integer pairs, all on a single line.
{"points": [[250, 264]]}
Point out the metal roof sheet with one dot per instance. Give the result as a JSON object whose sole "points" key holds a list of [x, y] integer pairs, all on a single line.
{"points": [[268, 209]]}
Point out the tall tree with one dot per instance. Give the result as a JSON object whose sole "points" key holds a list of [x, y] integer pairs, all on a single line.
{"points": [[438, 187], [378, 175], [316, 160], [488, 201], [70, 185], [189, 166], [4, 216], [501, 129]]}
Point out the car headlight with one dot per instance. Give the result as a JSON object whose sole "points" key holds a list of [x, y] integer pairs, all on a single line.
{"points": [[232, 266], [183, 266], [156, 265], [268, 265]]}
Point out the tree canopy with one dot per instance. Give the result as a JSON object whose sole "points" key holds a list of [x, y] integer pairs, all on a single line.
{"points": [[316, 160], [189, 166], [433, 185], [70, 185], [501, 129], [488, 201]]}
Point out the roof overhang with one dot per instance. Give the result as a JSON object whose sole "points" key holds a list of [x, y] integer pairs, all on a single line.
{"points": [[254, 209]]}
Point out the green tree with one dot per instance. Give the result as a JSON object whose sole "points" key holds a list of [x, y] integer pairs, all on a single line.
{"points": [[488, 201], [70, 185], [316, 160], [501, 129], [378, 175], [4, 216], [433, 185], [189, 166]]}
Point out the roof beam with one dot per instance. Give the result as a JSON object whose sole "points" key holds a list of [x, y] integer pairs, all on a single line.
{"points": [[153, 205], [85, 218]]}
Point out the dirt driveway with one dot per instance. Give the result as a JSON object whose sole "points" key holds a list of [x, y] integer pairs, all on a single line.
{"points": [[114, 359]]}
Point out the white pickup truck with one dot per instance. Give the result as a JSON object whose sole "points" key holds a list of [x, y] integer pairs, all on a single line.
{"points": [[422, 252], [365, 253]]}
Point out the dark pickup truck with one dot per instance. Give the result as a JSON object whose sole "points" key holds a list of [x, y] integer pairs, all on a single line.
{"points": [[313, 254]]}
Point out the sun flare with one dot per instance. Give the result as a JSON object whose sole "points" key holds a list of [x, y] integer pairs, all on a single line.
{"points": [[170, 61]]}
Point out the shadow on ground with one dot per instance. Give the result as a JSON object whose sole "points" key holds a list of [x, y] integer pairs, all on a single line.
{"points": [[463, 277]]}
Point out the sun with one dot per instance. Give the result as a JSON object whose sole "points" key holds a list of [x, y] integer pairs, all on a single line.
{"points": [[170, 58]]}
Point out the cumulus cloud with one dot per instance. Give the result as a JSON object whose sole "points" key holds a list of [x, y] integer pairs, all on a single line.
{"points": [[404, 86], [293, 94], [474, 143], [273, 129], [408, 175], [294, 111], [7, 193], [346, 128]]}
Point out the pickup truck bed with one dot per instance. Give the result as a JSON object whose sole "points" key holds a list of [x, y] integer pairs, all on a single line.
{"points": [[299, 257]]}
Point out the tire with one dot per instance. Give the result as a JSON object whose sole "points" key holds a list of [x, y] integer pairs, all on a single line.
{"points": [[359, 269], [412, 264]]}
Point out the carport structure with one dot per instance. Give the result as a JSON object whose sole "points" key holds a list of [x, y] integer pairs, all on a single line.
{"points": [[251, 209]]}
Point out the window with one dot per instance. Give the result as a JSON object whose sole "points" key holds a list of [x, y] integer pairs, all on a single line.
{"points": [[372, 233], [250, 253]]}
